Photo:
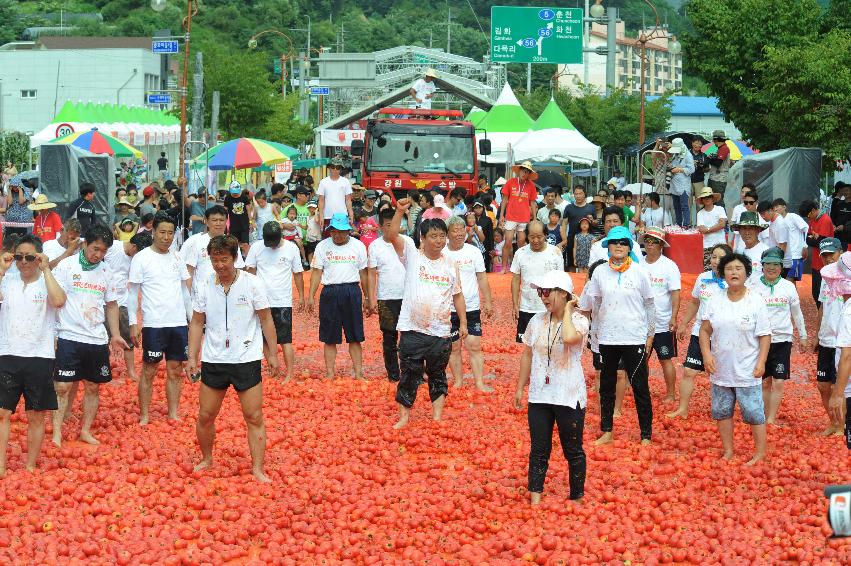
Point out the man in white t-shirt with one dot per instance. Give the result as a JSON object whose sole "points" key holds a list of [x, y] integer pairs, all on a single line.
{"points": [[432, 287], [339, 263], [423, 90], [277, 262], [469, 263], [194, 249], [750, 198], [796, 251], [30, 297], [386, 290], [335, 195], [778, 234], [161, 277], [531, 261], [665, 282], [65, 244], [653, 214], [748, 228], [233, 308], [711, 221], [82, 345]]}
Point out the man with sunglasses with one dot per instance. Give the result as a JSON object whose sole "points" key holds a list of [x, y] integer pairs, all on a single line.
{"points": [[750, 200], [30, 297]]}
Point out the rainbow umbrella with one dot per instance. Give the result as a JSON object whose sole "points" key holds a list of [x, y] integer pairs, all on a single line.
{"points": [[247, 153], [738, 149], [98, 142]]}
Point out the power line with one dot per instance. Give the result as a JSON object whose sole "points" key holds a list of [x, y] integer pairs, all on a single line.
{"points": [[481, 29]]}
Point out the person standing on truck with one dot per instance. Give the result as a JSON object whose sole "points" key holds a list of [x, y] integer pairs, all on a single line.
{"points": [[517, 208], [423, 90], [335, 195]]}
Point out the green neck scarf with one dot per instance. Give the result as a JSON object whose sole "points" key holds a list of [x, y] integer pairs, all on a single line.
{"points": [[84, 263], [770, 285]]}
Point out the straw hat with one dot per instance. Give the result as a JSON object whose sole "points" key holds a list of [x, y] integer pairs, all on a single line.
{"points": [[41, 203], [705, 192], [431, 73], [125, 201], [598, 198], [528, 166], [654, 232]]}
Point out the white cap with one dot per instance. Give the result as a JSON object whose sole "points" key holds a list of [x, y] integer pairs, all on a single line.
{"points": [[555, 279]]}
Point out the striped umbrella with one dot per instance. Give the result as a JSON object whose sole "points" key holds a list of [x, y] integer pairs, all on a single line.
{"points": [[98, 142], [738, 149], [246, 153]]}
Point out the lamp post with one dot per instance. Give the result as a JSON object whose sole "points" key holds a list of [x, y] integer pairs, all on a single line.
{"points": [[674, 47], [252, 44]]}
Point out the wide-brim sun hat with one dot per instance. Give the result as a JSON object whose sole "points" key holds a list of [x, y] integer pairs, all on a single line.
{"points": [[748, 219], [705, 192], [678, 146], [533, 175], [340, 221], [555, 279], [617, 233], [654, 232], [41, 203], [837, 276], [430, 73]]}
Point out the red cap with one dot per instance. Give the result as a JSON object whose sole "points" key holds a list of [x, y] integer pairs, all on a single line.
{"points": [[149, 191]]}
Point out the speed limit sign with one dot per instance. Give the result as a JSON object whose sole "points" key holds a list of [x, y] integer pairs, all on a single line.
{"points": [[64, 130]]}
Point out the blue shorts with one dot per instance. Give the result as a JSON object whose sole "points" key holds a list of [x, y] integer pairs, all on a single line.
{"points": [[171, 343], [750, 403], [474, 325], [796, 271], [340, 309], [76, 361]]}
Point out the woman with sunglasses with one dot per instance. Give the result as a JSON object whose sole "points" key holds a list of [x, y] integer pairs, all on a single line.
{"points": [[624, 304], [552, 367], [30, 298]]}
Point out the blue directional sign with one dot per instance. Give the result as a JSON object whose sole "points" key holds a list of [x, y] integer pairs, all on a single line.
{"points": [[159, 99], [320, 90], [164, 46]]}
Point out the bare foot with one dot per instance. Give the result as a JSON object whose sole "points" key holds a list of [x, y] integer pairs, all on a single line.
{"points": [[535, 498], [287, 379], [616, 414], [756, 458], [400, 423], [457, 383], [132, 377], [839, 432], [774, 423], [678, 413], [143, 421], [668, 399], [329, 377], [87, 437], [57, 440], [646, 442], [360, 378], [436, 415], [484, 388], [607, 438], [727, 456], [2, 473], [174, 418], [828, 431], [30, 469], [202, 465], [260, 476]]}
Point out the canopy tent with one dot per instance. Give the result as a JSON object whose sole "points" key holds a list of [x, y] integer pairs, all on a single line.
{"points": [[503, 125], [554, 138], [476, 115]]}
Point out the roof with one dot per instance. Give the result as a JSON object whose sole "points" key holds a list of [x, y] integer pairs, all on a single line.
{"points": [[693, 105], [71, 42], [112, 113]]}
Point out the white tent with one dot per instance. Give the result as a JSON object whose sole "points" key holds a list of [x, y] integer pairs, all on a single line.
{"points": [[554, 138], [504, 125]]}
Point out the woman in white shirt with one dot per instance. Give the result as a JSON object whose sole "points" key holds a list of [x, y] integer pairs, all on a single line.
{"points": [[552, 367], [735, 335]]}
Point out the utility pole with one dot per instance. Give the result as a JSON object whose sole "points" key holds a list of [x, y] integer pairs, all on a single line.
{"points": [[448, 29], [214, 119], [198, 99], [612, 48]]}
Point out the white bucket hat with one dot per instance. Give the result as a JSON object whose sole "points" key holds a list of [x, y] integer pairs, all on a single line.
{"points": [[678, 146], [555, 279]]}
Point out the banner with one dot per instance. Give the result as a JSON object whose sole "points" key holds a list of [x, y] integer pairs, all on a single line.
{"points": [[283, 171], [339, 138]]}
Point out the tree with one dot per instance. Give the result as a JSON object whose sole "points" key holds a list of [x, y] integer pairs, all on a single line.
{"points": [[282, 125]]}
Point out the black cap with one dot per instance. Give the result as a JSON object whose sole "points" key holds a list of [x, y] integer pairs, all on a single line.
{"points": [[301, 189], [271, 234]]}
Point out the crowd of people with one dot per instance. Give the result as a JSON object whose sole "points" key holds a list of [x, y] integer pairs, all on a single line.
{"points": [[214, 306]]}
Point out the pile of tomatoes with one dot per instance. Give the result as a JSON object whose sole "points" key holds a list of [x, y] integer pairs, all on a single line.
{"points": [[349, 489]]}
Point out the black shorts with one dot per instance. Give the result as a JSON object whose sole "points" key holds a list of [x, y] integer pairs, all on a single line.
{"points": [[848, 422], [523, 319], [241, 235], [340, 309], [123, 327], [778, 360], [694, 357], [665, 345], [76, 361], [826, 365], [242, 376], [283, 319], [474, 325], [171, 343], [309, 247], [30, 377]]}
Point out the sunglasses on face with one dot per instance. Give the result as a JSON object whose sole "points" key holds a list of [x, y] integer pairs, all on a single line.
{"points": [[652, 241], [544, 293], [27, 258], [748, 202], [622, 242]]}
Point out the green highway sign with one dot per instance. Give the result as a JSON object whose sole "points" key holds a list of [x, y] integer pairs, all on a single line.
{"points": [[521, 34]]}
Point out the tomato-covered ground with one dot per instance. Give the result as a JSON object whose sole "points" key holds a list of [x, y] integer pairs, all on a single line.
{"points": [[349, 489]]}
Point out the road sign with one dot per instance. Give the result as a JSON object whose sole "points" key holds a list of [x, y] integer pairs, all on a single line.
{"points": [[522, 34], [320, 90], [64, 130], [164, 46], [159, 99]]}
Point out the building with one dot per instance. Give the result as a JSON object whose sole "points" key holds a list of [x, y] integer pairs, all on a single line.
{"points": [[664, 70], [38, 77], [699, 115]]}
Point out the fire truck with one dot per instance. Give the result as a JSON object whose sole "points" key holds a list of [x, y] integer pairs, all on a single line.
{"points": [[415, 148]]}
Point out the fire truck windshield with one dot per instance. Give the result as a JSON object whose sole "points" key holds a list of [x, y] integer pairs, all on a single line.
{"points": [[429, 153]]}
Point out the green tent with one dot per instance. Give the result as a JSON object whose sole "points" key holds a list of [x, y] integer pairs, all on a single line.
{"points": [[503, 125], [476, 114]]}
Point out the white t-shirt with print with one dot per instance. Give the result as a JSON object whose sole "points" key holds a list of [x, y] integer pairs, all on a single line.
{"points": [[194, 252], [27, 319], [664, 279], [843, 338], [796, 230], [86, 292], [778, 305], [755, 255], [335, 193], [622, 314], [340, 264], [710, 218], [831, 314], [423, 88], [736, 328], [704, 289], [161, 277], [469, 262], [233, 333], [119, 262], [275, 268], [554, 359], [530, 265], [391, 272], [598, 252], [430, 286]]}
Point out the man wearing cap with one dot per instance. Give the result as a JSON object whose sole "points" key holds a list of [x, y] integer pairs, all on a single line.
{"points": [[335, 195], [83, 209], [423, 90], [368, 207], [531, 261], [240, 212], [748, 228], [665, 282], [719, 165], [711, 220], [749, 198], [340, 263], [46, 224], [149, 204], [277, 262], [681, 168], [827, 323], [517, 208], [783, 307]]}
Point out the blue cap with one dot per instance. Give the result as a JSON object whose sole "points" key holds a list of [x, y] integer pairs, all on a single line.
{"points": [[340, 221], [829, 246]]}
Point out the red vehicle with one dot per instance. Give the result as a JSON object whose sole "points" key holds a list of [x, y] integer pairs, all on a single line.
{"points": [[419, 149]]}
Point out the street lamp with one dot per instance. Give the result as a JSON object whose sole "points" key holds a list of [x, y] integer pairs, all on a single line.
{"points": [[252, 44], [597, 10], [158, 5]]}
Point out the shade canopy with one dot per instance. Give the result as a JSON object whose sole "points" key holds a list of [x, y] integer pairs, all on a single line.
{"points": [[554, 138], [503, 125], [99, 143], [246, 153]]}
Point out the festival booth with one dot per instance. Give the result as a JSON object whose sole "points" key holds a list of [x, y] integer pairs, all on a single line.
{"points": [[63, 167], [503, 125], [476, 115], [554, 138]]}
